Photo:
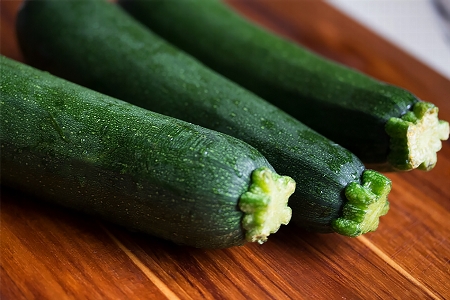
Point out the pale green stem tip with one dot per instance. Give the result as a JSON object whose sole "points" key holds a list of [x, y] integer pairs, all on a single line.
{"points": [[416, 137], [366, 203], [265, 204]]}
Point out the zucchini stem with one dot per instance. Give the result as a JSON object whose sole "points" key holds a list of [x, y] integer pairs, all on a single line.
{"points": [[367, 202], [265, 204], [416, 137]]}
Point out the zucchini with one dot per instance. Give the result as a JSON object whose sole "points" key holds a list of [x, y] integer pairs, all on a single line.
{"points": [[96, 44], [387, 127], [140, 169]]}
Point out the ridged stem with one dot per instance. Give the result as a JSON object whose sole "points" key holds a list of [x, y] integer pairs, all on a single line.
{"points": [[416, 137], [265, 204], [367, 202]]}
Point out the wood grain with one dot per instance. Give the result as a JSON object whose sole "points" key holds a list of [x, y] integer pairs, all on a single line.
{"points": [[48, 252]]}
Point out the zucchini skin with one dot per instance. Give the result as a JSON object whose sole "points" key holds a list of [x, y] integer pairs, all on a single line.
{"points": [[102, 156], [344, 105], [98, 45]]}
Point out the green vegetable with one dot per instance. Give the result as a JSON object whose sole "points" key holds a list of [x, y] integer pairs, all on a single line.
{"points": [[387, 127], [146, 171], [96, 44]]}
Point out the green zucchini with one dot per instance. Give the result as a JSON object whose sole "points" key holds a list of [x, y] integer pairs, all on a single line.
{"points": [[96, 44], [140, 169], [387, 127]]}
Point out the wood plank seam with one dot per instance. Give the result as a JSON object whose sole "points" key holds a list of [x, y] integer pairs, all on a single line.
{"points": [[147, 272], [396, 266]]}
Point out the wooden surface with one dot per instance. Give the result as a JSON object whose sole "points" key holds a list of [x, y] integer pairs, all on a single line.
{"points": [[51, 253]]}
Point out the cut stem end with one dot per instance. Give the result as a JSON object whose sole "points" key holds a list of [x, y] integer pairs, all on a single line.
{"points": [[367, 202], [415, 138], [265, 204]]}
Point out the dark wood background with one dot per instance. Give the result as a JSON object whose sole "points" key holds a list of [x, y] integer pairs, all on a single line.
{"points": [[51, 253]]}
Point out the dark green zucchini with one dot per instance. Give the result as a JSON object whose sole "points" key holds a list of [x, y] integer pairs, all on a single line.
{"points": [[387, 127], [96, 44], [140, 169]]}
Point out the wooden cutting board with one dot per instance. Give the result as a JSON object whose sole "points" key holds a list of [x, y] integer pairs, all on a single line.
{"points": [[52, 253]]}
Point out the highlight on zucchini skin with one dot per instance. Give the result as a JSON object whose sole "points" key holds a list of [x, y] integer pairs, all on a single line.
{"points": [[96, 44], [148, 172], [357, 111]]}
